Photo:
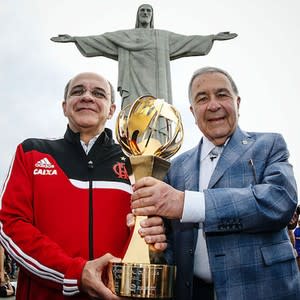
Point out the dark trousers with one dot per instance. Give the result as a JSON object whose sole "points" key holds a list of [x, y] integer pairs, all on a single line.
{"points": [[202, 290]]}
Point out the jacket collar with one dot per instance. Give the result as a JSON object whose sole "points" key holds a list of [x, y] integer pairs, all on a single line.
{"points": [[238, 144], [191, 168], [104, 138]]}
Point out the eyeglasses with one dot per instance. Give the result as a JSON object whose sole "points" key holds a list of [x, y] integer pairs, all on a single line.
{"points": [[96, 92]]}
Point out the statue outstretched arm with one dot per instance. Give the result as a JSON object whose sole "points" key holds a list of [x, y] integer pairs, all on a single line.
{"points": [[63, 38], [226, 35]]}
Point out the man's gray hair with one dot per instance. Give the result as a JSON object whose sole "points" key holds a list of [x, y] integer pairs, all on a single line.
{"points": [[205, 70], [112, 91]]}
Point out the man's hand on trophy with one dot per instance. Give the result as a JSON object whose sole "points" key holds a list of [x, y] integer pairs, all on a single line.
{"points": [[63, 38], [94, 277], [152, 197], [226, 35], [152, 230]]}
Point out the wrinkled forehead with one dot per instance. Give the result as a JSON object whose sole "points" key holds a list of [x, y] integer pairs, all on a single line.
{"points": [[211, 80], [90, 80]]}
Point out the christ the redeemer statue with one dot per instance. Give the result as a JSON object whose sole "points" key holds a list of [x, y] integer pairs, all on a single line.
{"points": [[144, 54]]}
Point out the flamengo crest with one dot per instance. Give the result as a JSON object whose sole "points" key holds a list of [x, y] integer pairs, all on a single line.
{"points": [[120, 170]]}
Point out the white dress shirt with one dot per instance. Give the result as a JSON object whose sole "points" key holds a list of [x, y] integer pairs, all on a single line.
{"points": [[87, 147], [194, 208]]}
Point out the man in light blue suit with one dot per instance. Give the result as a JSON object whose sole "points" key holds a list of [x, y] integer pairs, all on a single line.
{"points": [[227, 203]]}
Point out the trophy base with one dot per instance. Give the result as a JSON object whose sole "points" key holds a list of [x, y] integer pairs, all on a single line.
{"points": [[142, 280]]}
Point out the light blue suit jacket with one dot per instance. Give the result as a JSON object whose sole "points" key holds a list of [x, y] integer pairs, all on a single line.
{"points": [[250, 199]]}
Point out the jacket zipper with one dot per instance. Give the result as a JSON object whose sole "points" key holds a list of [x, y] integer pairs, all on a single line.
{"points": [[91, 219]]}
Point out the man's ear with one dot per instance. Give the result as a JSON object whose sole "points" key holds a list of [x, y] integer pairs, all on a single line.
{"points": [[238, 101], [192, 110], [112, 110], [63, 105]]}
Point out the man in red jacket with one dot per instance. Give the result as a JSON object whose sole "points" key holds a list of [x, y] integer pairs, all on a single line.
{"points": [[65, 202]]}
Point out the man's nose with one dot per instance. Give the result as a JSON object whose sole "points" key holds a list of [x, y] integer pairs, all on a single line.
{"points": [[213, 103], [87, 96]]}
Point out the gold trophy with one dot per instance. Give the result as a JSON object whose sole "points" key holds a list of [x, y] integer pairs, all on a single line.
{"points": [[149, 132]]}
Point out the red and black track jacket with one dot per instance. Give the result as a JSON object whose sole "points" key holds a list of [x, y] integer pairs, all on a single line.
{"points": [[60, 208]]}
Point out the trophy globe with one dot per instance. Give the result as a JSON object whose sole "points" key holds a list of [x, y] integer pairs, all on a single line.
{"points": [[149, 131]]}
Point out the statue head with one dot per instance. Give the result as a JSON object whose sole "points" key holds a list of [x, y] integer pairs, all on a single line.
{"points": [[144, 16]]}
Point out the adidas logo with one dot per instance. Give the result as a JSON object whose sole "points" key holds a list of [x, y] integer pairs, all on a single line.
{"points": [[44, 163], [44, 167]]}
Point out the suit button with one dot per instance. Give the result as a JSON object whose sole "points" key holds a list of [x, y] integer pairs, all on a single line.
{"points": [[187, 284], [191, 252]]}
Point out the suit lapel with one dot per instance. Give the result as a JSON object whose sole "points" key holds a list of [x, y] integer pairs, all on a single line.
{"points": [[190, 167], [238, 144]]}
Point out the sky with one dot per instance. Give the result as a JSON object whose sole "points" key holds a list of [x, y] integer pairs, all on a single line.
{"points": [[263, 60]]}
